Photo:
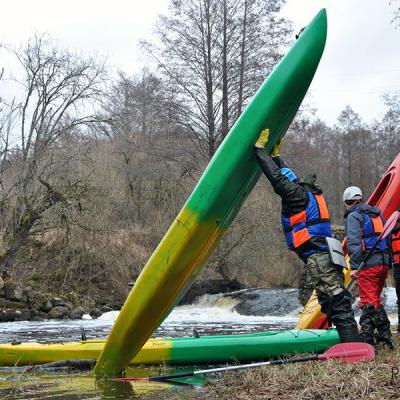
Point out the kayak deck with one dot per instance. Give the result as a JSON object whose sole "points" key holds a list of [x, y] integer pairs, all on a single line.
{"points": [[187, 350]]}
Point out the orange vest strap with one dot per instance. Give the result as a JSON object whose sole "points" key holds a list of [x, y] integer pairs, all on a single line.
{"points": [[297, 218], [377, 222], [396, 247], [322, 206], [300, 237], [396, 236]]}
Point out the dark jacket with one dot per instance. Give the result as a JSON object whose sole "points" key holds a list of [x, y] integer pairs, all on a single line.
{"points": [[294, 195], [353, 226]]}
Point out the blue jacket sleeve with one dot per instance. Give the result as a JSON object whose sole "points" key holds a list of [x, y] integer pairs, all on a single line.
{"points": [[354, 239]]}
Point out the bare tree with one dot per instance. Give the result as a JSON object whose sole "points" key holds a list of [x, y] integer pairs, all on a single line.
{"points": [[340, 156], [396, 17], [61, 92], [348, 122], [389, 132], [214, 54], [138, 106], [152, 151]]}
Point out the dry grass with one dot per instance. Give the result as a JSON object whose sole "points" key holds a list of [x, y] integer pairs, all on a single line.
{"points": [[379, 379]]}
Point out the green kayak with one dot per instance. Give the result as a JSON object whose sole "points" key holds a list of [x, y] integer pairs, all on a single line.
{"points": [[214, 203], [187, 350]]}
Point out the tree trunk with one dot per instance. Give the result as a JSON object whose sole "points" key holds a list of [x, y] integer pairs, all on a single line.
{"points": [[242, 62], [225, 112], [210, 83]]}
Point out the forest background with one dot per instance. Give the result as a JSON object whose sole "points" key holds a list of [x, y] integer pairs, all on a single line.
{"points": [[95, 165]]}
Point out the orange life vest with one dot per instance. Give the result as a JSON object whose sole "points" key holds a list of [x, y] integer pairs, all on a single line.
{"points": [[312, 222], [396, 247], [373, 227]]}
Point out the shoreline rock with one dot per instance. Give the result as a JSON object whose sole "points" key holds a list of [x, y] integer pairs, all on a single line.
{"points": [[19, 303], [268, 301], [212, 286]]}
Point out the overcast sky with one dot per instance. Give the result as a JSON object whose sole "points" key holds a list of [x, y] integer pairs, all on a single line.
{"points": [[361, 59]]}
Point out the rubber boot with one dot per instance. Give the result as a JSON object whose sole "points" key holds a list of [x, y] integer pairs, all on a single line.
{"points": [[338, 309], [367, 323], [348, 333], [384, 336]]}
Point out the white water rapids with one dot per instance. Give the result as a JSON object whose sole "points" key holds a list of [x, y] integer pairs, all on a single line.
{"points": [[210, 315]]}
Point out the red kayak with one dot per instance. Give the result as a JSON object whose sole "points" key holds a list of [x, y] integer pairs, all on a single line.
{"points": [[387, 194]]}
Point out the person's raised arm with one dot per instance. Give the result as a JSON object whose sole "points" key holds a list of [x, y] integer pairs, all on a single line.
{"points": [[281, 184]]}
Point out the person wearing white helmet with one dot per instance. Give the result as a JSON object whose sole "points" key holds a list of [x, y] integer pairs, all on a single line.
{"points": [[352, 193], [363, 225], [306, 225]]}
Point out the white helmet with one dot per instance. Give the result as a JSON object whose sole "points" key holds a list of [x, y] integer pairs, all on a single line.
{"points": [[352, 193]]}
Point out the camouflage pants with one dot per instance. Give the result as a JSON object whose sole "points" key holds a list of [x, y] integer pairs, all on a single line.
{"points": [[335, 300], [320, 274]]}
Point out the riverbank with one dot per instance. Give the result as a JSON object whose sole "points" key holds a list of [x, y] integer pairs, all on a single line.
{"points": [[19, 302], [379, 379], [40, 284]]}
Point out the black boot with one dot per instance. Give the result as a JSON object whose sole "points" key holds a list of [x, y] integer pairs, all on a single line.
{"points": [[338, 309], [348, 333], [384, 336], [367, 323]]}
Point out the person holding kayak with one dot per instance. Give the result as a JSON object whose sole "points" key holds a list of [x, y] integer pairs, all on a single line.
{"points": [[363, 225], [306, 224], [395, 246]]}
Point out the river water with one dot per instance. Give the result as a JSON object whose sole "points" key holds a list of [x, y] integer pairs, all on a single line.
{"points": [[210, 315]]}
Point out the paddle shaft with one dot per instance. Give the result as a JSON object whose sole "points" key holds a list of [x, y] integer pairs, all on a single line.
{"points": [[233, 368], [370, 253], [351, 284]]}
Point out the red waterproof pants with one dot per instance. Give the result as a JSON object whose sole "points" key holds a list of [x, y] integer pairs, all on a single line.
{"points": [[370, 282]]}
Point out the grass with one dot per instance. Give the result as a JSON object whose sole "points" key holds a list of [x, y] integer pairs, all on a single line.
{"points": [[379, 379]]}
